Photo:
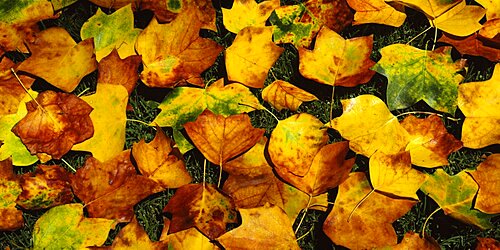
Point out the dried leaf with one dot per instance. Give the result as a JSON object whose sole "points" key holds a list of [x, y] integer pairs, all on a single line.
{"points": [[487, 244], [11, 91], [487, 176], [255, 14], [10, 189], [377, 11], [413, 240], [472, 45], [114, 70], [468, 16], [189, 239], [133, 236], [281, 94]]}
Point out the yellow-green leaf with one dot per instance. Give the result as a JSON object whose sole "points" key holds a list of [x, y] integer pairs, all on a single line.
{"points": [[254, 14]]}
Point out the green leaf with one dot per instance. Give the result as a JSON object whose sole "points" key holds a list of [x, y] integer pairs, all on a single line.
{"points": [[416, 74], [455, 195], [289, 29], [65, 227], [59, 4]]}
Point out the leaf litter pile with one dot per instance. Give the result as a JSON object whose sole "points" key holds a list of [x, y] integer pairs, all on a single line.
{"points": [[198, 106]]}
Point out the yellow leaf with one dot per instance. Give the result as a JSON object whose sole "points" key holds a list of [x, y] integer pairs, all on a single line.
{"points": [[189, 239], [133, 236], [487, 175], [461, 20], [431, 8], [281, 94], [254, 14], [377, 11], [492, 8]]}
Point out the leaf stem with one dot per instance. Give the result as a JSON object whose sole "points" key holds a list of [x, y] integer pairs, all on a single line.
{"points": [[141, 122], [359, 204], [263, 108], [26, 90], [427, 113], [83, 92], [307, 233], [427, 220], [331, 104], [419, 34], [69, 165], [304, 213]]}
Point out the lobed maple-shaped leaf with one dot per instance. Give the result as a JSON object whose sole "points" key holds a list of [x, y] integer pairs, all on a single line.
{"points": [[174, 53], [281, 94], [189, 239], [336, 61], [393, 174], [480, 103], [367, 124], [487, 175], [266, 227], [487, 244], [371, 223], [251, 55], [255, 14], [328, 169], [10, 189], [472, 45], [133, 236], [12, 146], [413, 240], [455, 195], [11, 91], [377, 11], [414, 74], [54, 122], [65, 227], [159, 161], [429, 142], [47, 187], [111, 189], [59, 60], [201, 206], [114, 70], [109, 119], [221, 138], [295, 142], [110, 32]]}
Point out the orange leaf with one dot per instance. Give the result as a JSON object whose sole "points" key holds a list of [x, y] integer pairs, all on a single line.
{"points": [[487, 175], [377, 11], [371, 223], [219, 138], [12, 218], [110, 189], [412, 240], [52, 128], [487, 244], [159, 161], [174, 53], [133, 236], [189, 239], [11, 91], [281, 94], [201, 206], [114, 70], [265, 227], [472, 45]]}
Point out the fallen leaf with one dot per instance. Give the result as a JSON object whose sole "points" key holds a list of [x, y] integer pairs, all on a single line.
{"points": [[114, 70], [10, 189], [159, 161], [66, 227], [480, 103], [492, 8], [174, 53], [47, 187], [266, 227], [201, 206], [111, 32], [442, 188], [487, 244], [11, 91], [377, 11], [255, 14], [59, 60], [430, 144], [109, 119], [189, 239], [491, 31], [393, 174], [133, 236], [367, 123], [59, 4], [336, 61], [472, 45], [334, 14], [295, 141], [468, 16], [431, 8], [487, 176], [54, 122], [416, 74], [413, 240], [219, 138], [251, 55], [371, 223], [281, 94], [111, 189]]}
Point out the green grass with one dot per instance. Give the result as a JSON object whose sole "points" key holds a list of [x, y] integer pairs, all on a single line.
{"points": [[449, 233]]}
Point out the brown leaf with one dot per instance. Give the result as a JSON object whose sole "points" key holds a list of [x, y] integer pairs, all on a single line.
{"points": [[472, 45], [47, 187], [281, 94], [159, 161], [221, 138], [487, 244], [11, 91], [334, 14], [487, 175], [201, 206], [110, 189], [52, 128], [377, 11], [12, 218], [114, 70], [413, 240]]}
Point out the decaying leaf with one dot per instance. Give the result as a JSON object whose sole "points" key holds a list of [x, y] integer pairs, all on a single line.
{"points": [[12, 218], [442, 188], [487, 176], [480, 103], [281, 94], [430, 144], [266, 227], [159, 161], [189, 239], [54, 122], [11, 91], [110, 189], [254, 14], [367, 123], [413, 240], [201, 206], [133, 236], [47, 187], [66, 227], [251, 55], [114, 70], [377, 11], [295, 141], [57, 58], [487, 244], [371, 223], [472, 45], [174, 53], [336, 61], [221, 138]]}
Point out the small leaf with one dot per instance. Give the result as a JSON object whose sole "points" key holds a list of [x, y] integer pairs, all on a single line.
{"points": [[281, 94], [487, 176], [255, 14], [10, 189]]}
